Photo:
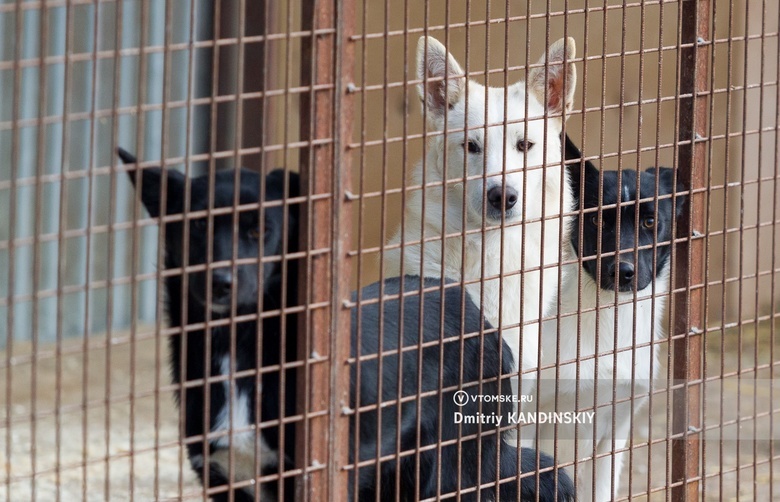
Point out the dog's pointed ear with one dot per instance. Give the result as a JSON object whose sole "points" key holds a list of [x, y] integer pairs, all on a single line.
{"points": [[573, 156], [576, 168], [666, 186], [276, 177], [152, 180], [434, 64], [558, 78], [295, 184]]}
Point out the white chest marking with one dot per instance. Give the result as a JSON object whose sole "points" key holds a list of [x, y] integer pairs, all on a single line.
{"points": [[247, 444]]}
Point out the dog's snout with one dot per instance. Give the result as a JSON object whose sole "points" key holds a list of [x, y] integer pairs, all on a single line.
{"points": [[625, 273], [221, 283], [502, 199], [511, 197]]}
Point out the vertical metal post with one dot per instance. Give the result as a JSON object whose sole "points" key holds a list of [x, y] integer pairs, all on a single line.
{"points": [[327, 60], [687, 307]]}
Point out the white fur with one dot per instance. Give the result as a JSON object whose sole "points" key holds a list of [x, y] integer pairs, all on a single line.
{"points": [[503, 300], [633, 366], [245, 443], [220, 309]]}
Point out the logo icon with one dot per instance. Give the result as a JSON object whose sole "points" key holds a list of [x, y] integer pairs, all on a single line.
{"points": [[461, 398]]}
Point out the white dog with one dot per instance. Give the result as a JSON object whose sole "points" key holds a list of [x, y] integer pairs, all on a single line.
{"points": [[513, 175]]}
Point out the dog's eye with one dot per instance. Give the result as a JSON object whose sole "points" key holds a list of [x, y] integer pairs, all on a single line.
{"points": [[594, 220], [472, 146], [648, 222], [255, 232], [523, 145]]}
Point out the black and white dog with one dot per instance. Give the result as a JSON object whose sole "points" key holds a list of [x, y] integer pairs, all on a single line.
{"points": [[440, 333], [447, 361], [622, 329], [235, 346]]}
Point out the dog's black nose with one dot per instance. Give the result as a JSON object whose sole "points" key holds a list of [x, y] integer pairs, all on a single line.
{"points": [[625, 273], [502, 199], [221, 283]]}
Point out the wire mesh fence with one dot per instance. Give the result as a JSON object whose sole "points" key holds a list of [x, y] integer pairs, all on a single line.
{"points": [[389, 249]]}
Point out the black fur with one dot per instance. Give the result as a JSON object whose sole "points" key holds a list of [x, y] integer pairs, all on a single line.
{"points": [[628, 270], [480, 360], [245, 287], [432, 423]]}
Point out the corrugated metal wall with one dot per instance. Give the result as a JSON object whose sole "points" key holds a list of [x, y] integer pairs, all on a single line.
{"points": [[59, 157]]}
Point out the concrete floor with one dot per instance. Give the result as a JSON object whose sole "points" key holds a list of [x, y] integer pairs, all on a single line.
{"points": [[124, 448]]}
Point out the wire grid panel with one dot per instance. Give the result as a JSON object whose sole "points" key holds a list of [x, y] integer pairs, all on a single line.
{"points": [[208, 86], [637, 67], [88, 311], [72, 262]]}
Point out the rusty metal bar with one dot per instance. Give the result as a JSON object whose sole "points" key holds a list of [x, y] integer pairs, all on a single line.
{"points": [[341, 237], [322, 444], [687, 307]]}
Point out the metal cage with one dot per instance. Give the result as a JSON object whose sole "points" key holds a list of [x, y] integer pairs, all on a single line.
{"points": [[329, 90]]}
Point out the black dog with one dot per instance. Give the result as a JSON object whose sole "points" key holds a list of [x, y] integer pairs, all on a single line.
{"points": [[433, 426], [189, 349], [472, 362]]}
